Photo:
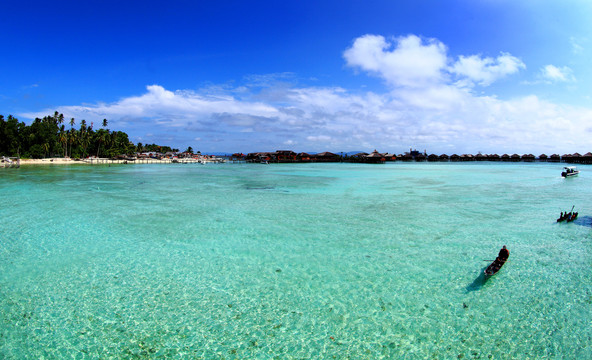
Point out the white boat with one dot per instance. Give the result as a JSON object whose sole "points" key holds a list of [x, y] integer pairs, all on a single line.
{"points": [[570, 171]]}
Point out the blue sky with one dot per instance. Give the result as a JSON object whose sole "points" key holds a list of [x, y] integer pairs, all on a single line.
{"points": [[462, 76]]}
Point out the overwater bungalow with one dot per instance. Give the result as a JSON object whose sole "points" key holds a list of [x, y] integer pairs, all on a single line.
{"points": [[543, 157], [454, 157], [444, 157], [420, 157], [390, 157], [480, 157], [358, 157], [528, 157], [433, 157], [587, 158], [555, 158], [467, 157], [406, 157], [304, 157], [375, 158], [515, 157], [567, 158], [260, 157], [505, 157], [285, 156], [493, 157], [326, 157]]}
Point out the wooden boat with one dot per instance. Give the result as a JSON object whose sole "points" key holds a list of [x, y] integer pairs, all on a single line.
{"points": [[569, 171], [495, 266], [569, 216]]}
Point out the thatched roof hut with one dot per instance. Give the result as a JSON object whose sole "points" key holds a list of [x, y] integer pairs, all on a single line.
{"points": [[528, 157], [444, 157], [505, 157], [493, 157], [454, 157], [543, 157], [326, 156], [555, 158], [406, 157], [515, 157], [433, 157], [303, 157], [375, 158], [390, 157]]}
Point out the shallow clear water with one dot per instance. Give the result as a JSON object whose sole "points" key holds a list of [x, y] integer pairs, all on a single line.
{"points": [[294, 261]]}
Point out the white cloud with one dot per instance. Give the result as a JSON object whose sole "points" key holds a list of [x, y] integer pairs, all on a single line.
{"points": [[411, 63], [553, 73], [485, 71], [576, 45]]}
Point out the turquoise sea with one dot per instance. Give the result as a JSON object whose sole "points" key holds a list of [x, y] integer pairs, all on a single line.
{"points": [[294, 261]]}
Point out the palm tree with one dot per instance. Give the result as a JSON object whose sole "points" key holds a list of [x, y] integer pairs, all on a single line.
{"points": [[64, 140], [104, 123], [101, 136]]}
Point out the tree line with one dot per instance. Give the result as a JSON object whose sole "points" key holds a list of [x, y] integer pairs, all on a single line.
{"points": [[54, 136]]}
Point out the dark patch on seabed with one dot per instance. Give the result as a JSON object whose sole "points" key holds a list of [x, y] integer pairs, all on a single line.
{"points": [[584, 221]]}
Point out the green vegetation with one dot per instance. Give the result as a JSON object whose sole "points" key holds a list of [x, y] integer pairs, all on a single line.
{"points": [[49, 137]]}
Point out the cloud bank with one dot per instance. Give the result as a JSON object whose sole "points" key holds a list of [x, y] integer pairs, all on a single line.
{"points": [[430, 102]]}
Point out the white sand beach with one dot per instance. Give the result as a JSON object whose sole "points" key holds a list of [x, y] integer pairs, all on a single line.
{"points": [[68, 161]]}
